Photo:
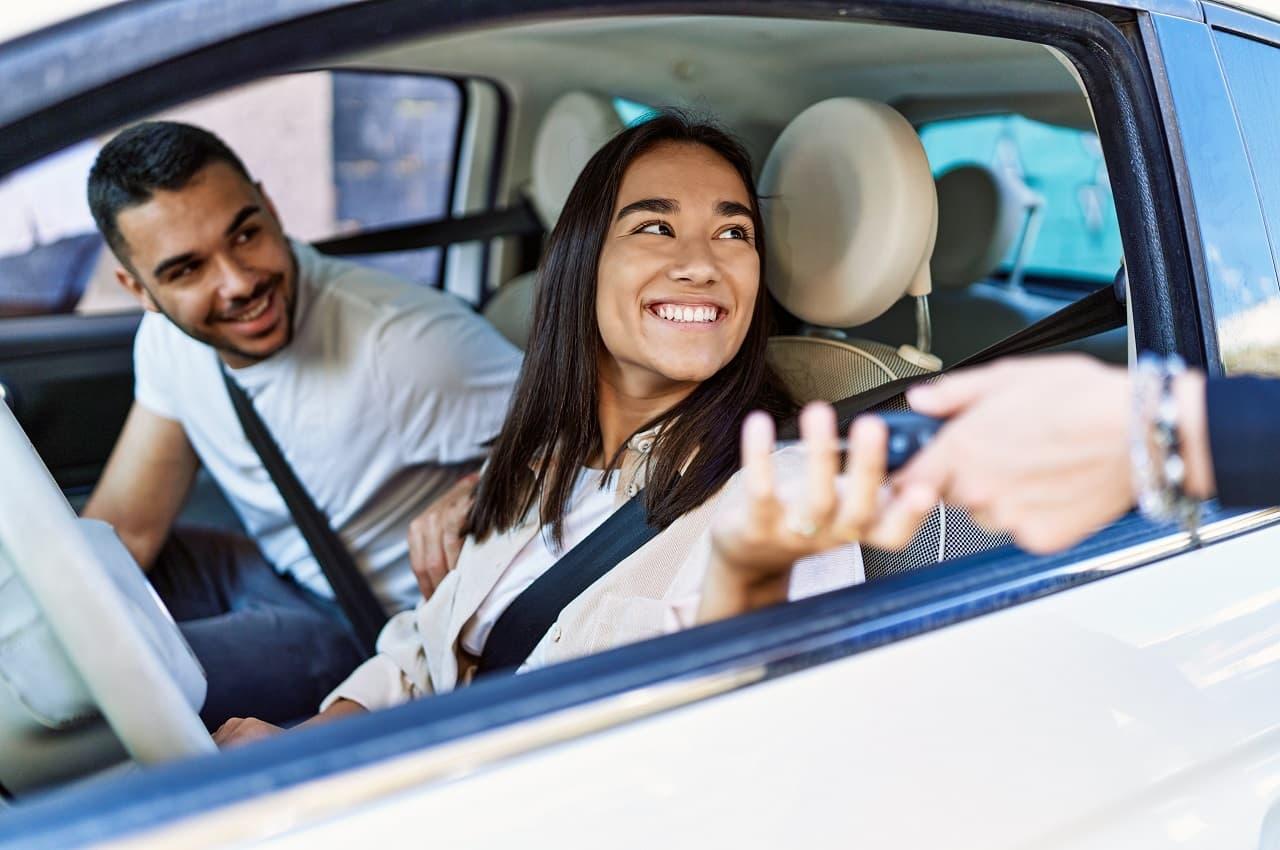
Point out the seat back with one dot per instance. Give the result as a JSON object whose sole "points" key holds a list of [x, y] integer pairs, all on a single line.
{"points": [[851, 218], [575, 126]]}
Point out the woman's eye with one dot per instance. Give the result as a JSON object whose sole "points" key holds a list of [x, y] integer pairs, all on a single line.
{"points": [[246, 235], [735, 232], [657, 228]]}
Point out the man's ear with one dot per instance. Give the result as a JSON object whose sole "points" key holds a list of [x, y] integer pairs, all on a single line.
{"points": [[135, 288]]}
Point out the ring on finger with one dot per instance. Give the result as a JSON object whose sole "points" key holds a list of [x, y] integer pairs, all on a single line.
{"points": [[802, 526]]}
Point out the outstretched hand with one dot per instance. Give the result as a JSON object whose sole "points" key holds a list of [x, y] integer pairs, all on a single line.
{"points": [[1037, 446], [757, 539]]}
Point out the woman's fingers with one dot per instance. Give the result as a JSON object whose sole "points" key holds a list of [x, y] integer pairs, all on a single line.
{"points": [[757, 467], [864, 472], [822, 463]]}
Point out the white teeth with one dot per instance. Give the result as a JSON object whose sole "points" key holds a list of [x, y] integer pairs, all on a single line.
{"points": [[256, 311], [676, 313]]}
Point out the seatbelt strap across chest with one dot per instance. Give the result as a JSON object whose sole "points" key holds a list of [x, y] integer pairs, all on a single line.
{"points": [[521, 627], [353, 593]]}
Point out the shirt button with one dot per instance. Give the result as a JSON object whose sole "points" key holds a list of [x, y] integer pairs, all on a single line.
{"points": [[632, 489], [643, 446], [555, 633]]}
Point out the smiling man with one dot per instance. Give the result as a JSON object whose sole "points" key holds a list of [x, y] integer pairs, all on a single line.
{"points": [[378, 392]]}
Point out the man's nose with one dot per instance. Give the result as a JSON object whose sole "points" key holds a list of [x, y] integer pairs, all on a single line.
{"points": [[234, 280], [694, 263]]}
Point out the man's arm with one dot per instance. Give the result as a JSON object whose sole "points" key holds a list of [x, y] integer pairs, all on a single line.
{"points": [[146, 481]]}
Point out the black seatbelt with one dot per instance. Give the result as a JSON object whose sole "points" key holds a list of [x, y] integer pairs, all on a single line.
{"points": [[349, 586], [526, 620], [518, 220], [1096, 313]]}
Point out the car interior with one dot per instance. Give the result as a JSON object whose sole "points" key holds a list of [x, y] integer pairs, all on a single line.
{"points": [[884, 264]]}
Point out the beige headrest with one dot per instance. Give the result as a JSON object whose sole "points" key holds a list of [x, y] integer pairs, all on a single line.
{"points": [[575, 126], [980, 215], [850, 212]]}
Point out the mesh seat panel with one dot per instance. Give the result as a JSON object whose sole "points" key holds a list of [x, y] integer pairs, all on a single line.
{"points": [[817, 368], [948, 532]]}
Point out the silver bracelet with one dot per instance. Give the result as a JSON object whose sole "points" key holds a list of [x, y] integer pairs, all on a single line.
{"points": [[1159, 470]]}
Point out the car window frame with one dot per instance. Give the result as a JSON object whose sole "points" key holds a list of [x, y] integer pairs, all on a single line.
{"points": [[786, 638]]}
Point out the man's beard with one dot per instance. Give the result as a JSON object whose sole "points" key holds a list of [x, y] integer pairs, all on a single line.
{"points": [[274, 283]]}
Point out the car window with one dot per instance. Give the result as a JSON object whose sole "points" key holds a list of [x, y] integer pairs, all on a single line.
{"points": [[1253, 76], [1079, 237], [337, 152]]}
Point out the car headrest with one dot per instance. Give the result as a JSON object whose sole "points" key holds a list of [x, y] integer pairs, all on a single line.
{"points": [[850, 210], [575, 126], [980, 216]]}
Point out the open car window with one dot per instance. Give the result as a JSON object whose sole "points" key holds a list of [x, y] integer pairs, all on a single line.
{"points": [[339, 152]]}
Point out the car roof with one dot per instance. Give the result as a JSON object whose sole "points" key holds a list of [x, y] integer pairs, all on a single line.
{"points": [[25, 18], [19, 19]]}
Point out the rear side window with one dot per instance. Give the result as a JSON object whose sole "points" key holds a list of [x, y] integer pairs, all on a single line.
{"points": [[1253, 76], [1079, 238], [338, 153]]}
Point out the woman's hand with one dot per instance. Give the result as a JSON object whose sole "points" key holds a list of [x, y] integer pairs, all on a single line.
{"points": [[755, 544], [243, 730], [435, 535]]}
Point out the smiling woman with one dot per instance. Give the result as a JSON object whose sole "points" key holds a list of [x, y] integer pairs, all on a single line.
{"points": [[645, 358]]}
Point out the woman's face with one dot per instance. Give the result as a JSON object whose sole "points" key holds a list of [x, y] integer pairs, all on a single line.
{"points": [[679, 273]]}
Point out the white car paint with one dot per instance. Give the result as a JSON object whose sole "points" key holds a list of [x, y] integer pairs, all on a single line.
{"points": [[1140, 711]]}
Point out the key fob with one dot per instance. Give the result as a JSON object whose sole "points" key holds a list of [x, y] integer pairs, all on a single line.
{"points": [[908, 434]]}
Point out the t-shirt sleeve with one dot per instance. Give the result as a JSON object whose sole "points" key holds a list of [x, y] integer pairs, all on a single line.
{"points": [[446, 376], [153, 368]]}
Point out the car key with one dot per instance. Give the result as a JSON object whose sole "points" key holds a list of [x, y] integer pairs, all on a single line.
{"points": [[908, 433]]}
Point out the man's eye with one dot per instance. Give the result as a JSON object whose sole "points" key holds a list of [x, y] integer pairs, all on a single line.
{"points": [[185, 271], [246, 235], [658, 228]]}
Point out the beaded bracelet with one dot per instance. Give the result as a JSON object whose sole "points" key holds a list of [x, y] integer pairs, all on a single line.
{"points": [[1155, 444]]}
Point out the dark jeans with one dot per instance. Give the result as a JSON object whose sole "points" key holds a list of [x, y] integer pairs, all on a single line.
{"points": [[271, 648]]}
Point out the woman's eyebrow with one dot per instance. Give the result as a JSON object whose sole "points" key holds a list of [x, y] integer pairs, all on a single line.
{"points": [[664, 206], [731, 208]]}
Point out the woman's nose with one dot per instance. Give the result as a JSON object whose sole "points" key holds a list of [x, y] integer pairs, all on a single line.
{"points": [[694, 263]]}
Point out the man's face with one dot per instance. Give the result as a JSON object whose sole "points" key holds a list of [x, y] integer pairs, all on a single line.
{"points": [[213, 258]]}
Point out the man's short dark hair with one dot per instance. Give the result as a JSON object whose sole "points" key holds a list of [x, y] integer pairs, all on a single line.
{"points": [[145, 158]]}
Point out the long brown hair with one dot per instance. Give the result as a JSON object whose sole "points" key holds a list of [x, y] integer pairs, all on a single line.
{"points": [[554, 412]]}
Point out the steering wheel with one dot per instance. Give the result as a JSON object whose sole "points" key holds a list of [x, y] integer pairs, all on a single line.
{"points": [[93, 634]]}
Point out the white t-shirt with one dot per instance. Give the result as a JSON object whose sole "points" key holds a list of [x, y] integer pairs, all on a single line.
{"points": [[384, 386], [589, 506]]}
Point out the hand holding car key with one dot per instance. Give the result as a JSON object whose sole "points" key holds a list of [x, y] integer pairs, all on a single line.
{"points": [[908, 433], [810, 503]]}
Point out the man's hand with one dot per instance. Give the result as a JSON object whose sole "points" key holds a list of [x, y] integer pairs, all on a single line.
{"points": [[1036, 446], [243, 730], [435, 535]]}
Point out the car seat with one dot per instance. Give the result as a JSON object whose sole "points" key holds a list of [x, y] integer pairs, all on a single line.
{"points": [[851, 212], [575, 126]]}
